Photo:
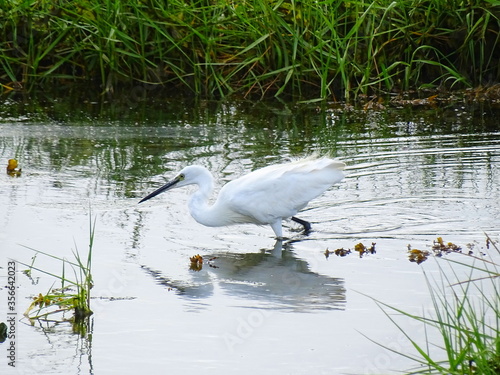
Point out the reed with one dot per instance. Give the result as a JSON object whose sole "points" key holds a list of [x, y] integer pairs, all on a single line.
{"points": [[309, 49], [465, 317], [73, 295]]}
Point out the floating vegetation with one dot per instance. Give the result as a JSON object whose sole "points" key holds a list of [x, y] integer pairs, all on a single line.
{"points": [[197, 262], [418, 256], [338, 252], [12, 169], [72, 296], [360, 248], [439, 248], [417, 102], [342, 252]]}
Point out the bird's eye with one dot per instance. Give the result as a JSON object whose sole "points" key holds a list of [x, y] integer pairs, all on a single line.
{"points": [[182, 177]]}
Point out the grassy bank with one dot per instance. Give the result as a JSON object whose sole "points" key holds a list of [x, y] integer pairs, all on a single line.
{"points": [[309, 48]]}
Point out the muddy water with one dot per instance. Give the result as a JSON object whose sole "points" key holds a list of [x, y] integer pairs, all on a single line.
{"points": [[256, 306]]}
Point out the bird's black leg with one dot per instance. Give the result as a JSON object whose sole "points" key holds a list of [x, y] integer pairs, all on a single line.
{"points": [[305, 224]]}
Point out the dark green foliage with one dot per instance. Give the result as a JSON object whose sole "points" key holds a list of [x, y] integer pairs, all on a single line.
{"points": [[309, 48]]}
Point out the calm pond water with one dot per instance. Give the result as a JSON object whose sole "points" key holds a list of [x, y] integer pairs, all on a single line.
{"points": [[414, 174]]}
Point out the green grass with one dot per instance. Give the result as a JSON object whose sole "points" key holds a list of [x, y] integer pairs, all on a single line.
{"points": [[308, 49], [73, 295], [466, 317]]}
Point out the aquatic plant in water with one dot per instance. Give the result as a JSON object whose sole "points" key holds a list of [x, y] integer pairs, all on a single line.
{"points": [[466, 316], [73, 295]]}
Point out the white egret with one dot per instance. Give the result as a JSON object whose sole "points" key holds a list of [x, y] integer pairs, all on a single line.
{"points": [[264, 196]]}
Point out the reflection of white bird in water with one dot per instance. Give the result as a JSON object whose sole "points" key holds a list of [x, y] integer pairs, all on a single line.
{"points": [[265, 196]]}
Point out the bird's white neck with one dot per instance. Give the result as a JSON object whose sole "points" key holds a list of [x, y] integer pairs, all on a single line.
{"points": [[198, 205]]}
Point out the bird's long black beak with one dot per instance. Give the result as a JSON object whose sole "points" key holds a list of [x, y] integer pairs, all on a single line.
{"points": [[169, 185]]}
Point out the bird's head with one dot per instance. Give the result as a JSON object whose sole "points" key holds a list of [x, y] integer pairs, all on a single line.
{"points": [[187, 176]]}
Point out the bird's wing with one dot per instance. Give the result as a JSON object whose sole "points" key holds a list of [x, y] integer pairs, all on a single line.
{"points": [[280, 191]]}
